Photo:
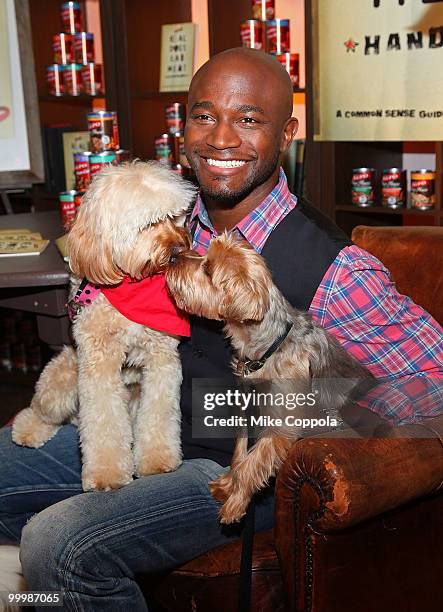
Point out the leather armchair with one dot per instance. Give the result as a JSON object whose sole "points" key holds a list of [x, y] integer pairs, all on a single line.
{"points": [[358, 521]]}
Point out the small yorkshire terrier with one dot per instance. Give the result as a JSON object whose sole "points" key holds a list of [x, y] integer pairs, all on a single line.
{"points": [[271, 340], [128, 226]]}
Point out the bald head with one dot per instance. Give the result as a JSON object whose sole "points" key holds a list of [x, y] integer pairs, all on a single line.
{"points": [[238, 126], [263, 69]]}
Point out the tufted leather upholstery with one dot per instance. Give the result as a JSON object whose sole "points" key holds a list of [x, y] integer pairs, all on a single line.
{"points": [[359, 522]]}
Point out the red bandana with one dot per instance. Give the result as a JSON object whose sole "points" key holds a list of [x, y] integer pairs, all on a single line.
{"points": [[148, 302]]}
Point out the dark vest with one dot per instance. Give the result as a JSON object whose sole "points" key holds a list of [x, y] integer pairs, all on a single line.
{"points": [[298, 252]]}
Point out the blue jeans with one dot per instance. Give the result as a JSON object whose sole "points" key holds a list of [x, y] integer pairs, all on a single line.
{"points": [[92, 545]]}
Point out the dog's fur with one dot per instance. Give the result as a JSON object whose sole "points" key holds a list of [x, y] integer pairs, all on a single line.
{"points": [[232, 283], [128, 225]]}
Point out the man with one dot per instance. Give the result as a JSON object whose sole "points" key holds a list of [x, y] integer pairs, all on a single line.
{"points": [[92, 545]]}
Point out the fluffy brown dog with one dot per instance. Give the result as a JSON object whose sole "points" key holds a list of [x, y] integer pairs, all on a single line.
{"points": [[232, 283], [127, 227]]}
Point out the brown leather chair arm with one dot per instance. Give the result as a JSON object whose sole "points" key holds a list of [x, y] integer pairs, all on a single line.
{"points": [[348, 480]]}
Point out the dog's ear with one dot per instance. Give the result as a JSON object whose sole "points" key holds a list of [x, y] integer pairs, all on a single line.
{"points": [[90, 255], [242, 277]]}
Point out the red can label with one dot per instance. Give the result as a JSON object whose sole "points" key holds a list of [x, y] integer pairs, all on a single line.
{"points": [[393, 188], [103, 131], [72, 79], [263, 9], [277, 36], [363, 186], [83, 47], [175, 117], [67, 208], [291, 63], [54, 78], [81, 171], [251, 32], [92, 79], [71, 17], [423, 189], [98, 162], [62, 48], [78, 200]]}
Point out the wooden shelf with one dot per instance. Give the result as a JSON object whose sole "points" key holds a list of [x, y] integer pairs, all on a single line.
{"points": [[386, 211], [153, 95], [81, 100]]}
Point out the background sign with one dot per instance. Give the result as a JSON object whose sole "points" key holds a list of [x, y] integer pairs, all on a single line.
{"points": [[177, 56], [379, 69]]}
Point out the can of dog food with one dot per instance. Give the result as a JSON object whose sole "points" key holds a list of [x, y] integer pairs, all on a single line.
{"points": [[122, 155], [263, 9], [175, 117], [363, 184], [163, 149], [423, 189], [393, 188], [62, 48], [92, 79], [251, 32], [67, 207], [78, 200], [291, 63], [72, 79], [102, 131], [54, 78], [99, 160], [83, 47], [278, 36], [71, 17], [81, 170]]}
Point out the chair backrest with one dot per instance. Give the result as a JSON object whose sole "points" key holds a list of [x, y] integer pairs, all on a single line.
{"points": [[414, 256]]}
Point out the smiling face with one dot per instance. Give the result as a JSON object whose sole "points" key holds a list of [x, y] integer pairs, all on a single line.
{"points": [[239, 123]]}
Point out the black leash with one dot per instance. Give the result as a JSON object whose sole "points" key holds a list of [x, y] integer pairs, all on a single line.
{"points": [[245, 587], [245, 577]]}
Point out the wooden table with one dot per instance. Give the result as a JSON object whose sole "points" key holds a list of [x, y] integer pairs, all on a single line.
{"points": [[38, 283]]}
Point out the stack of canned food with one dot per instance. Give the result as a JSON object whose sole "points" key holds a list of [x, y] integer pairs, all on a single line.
{"points": [[169, 146], [394, 188], [265, 32], [74, 71], [104, 150]]}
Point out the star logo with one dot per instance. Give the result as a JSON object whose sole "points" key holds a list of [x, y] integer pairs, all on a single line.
{"points": [[350, 45]]}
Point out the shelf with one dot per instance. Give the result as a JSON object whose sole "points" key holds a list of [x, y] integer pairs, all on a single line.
{"points": [[152, 95], [386, 211], [81, 100]]}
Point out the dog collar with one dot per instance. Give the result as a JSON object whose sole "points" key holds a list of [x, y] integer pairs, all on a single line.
{"points": [[248, 366], [85, 295]]}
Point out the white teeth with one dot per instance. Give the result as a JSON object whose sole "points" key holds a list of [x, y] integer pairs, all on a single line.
{"points": [[231, 163]]}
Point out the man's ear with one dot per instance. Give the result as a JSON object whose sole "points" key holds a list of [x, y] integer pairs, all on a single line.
{"points": [[289, 133]]}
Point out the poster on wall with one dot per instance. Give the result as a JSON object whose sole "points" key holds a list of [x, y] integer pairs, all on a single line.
{"points": [[177, 56], [378, 69], [14, 150]]}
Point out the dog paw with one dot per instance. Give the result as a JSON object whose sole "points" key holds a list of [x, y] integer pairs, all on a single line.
{"points": [[151, 466], [157, 464], [104, 480], [28, 429], [234, 509], [221, 488]]}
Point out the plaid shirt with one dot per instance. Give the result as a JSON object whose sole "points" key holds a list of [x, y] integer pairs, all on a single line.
{"points": [[356, 301]]}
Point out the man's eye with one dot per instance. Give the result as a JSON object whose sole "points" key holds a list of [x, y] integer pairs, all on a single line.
{"points": [[248, 120], [202, 117]]}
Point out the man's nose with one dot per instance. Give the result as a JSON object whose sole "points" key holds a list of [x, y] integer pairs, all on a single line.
{"points": [[223, 136]]}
